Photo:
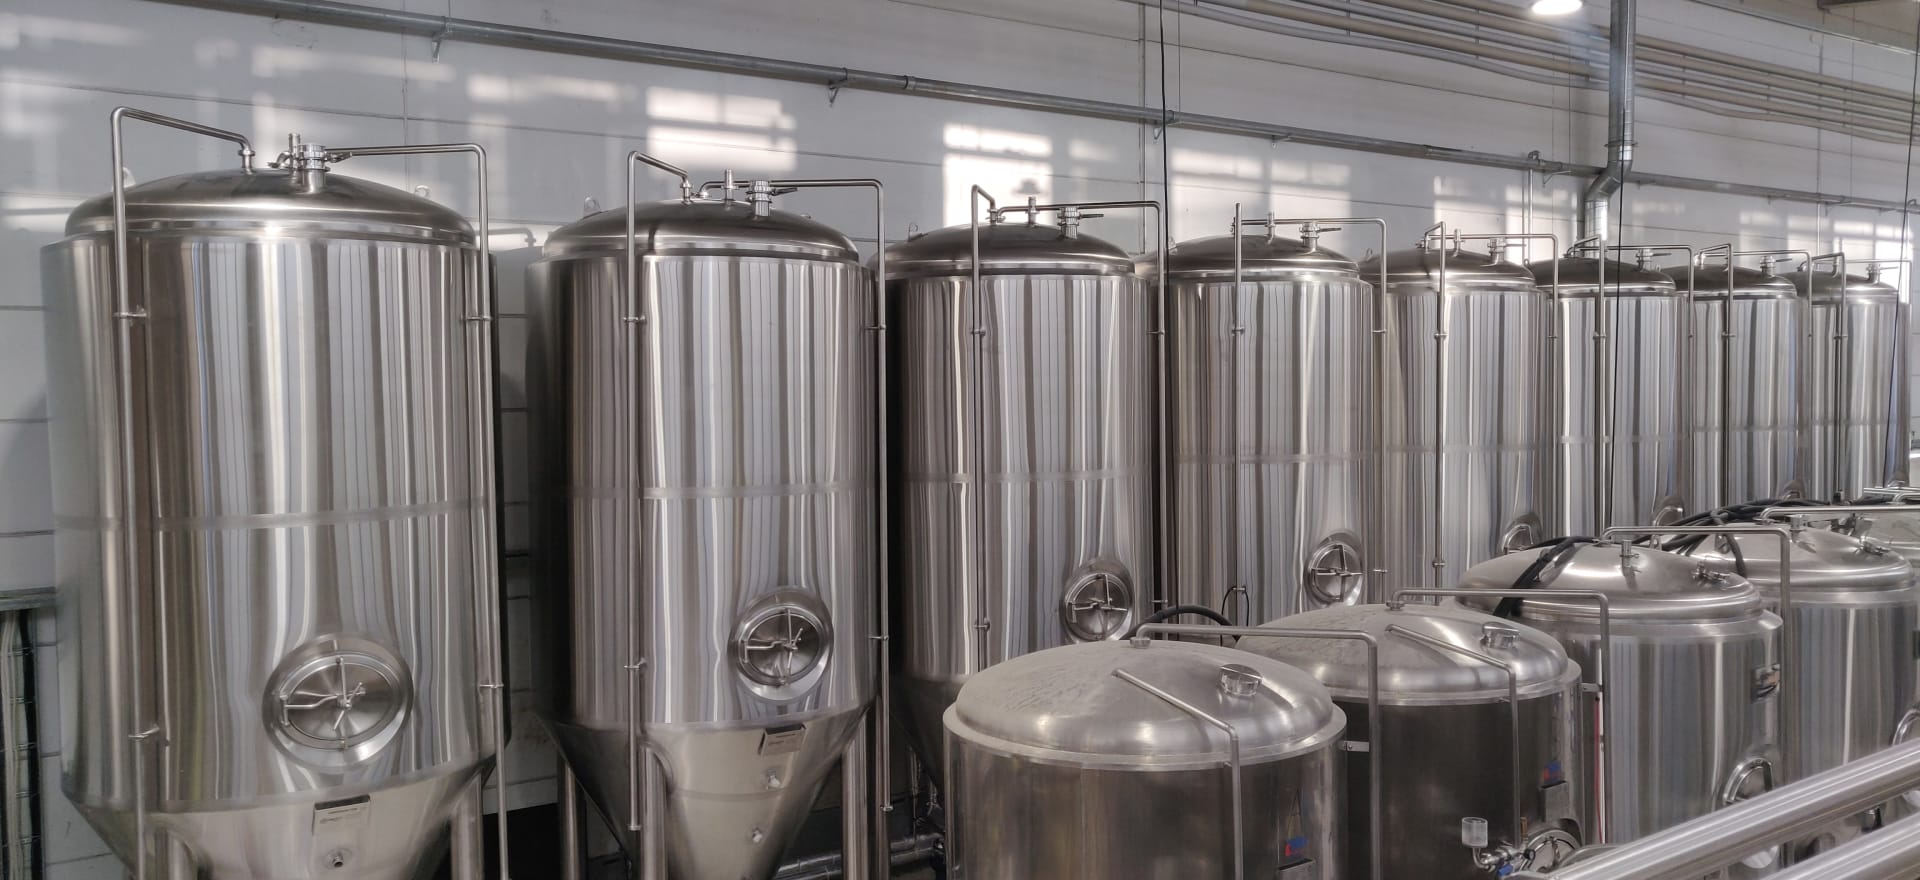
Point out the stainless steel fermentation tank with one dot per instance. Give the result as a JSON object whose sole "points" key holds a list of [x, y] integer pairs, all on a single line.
{"points": [[1144, 759], [1746, 366], [1856, 377], [1620, 380], [1022, 514], [1690, 675], [1465, 445], [1854, 611], [1478, 722], [271, 412], [1270, 377], [702, 382]]}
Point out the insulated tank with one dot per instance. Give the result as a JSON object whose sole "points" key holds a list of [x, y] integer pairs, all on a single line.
{"points": [[1495, 457], [1021, 440], [706, 492], [1692, 671], [1270, 404], [1645, 379], [1746, 439], [1856, 424], [275, 521], [1854, 616], [1449, 749], [1119, 759]]}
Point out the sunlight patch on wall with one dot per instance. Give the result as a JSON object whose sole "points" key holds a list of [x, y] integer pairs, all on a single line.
{"points": [[1011, 180], [715, 149], [974, 139], [39, 32], [732, 111], [272, 61]]}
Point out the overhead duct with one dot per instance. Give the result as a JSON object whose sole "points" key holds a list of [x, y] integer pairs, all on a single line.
{"points": [[1595, 202]]}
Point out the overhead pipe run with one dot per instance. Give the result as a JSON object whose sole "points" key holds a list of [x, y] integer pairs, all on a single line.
{"points": [[444, 28], [1594, 203]]}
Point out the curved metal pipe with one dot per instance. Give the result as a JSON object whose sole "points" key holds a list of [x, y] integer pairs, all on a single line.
{"points": [[1594, 202]]}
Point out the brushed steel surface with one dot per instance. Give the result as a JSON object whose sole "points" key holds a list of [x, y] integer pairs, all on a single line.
{"points": [[747, 493], [1762, 448], [1855, 614], [310, 486], [1448, 750], [1061, 769], [1854, 362], [1022, 454], [1689, 697], [1271, 424], [1648, 384], [1498, 432]]}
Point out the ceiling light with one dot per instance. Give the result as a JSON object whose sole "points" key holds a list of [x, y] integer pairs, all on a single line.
{"points": [[1555, 7]]}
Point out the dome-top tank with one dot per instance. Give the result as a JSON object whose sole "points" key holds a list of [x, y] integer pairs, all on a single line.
{"points": [[705, 490], [289, 570], [1495, 432], [1021, 446], [1270, 402], [1854, 615], [1691, 674], [1856, 354], [1744, 393], [1114, 759], [1640, 373], [1453, 746]]}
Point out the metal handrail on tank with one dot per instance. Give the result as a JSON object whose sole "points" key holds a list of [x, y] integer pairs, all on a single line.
{"points": [[1310, 230], [1788, 632], [487, 598], [1704, 844], [126, 315], [1377, 803], [1233, 761], [1842, 358], [1603, 452], [1602, 748], [1069, 214]]}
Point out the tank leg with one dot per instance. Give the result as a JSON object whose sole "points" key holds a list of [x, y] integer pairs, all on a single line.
{"points": [[856, 831], [653, 834], [180, 863], [469, 836], [569, 824]]}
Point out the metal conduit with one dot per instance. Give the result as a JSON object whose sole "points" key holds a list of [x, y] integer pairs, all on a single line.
{"points": [[537, 39]]}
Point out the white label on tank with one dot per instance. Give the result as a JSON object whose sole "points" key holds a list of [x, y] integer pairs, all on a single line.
{"points": [[338, 816]]}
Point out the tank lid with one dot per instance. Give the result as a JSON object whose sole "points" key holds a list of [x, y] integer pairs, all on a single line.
{"points": [[1067, 704], [1412, 672], [1649, 585], [1822, 561], [709, 226], [1828, 286], [282, 198], [1008, 248], [1580, 275], [1260, 257], [1710, 282], [1468, 268]]}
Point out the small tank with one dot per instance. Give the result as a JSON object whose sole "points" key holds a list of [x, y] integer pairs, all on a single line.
{"points": [[1449, 749], [1744, 403], [1648, 336], [1692, 674], [1849, 667], [1109, 759]]}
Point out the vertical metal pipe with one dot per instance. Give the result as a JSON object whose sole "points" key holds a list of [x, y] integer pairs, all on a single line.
{"points": [[572, 855], [983, 621], [129, 318], [1232, 571], [1620, 85], [1442, 316], [856, 821], [468, 856], [1842, 375], [1233, 763]]}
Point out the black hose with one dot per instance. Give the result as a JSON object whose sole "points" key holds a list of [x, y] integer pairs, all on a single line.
{"points": [[1552, 553], [1166, 614]]}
